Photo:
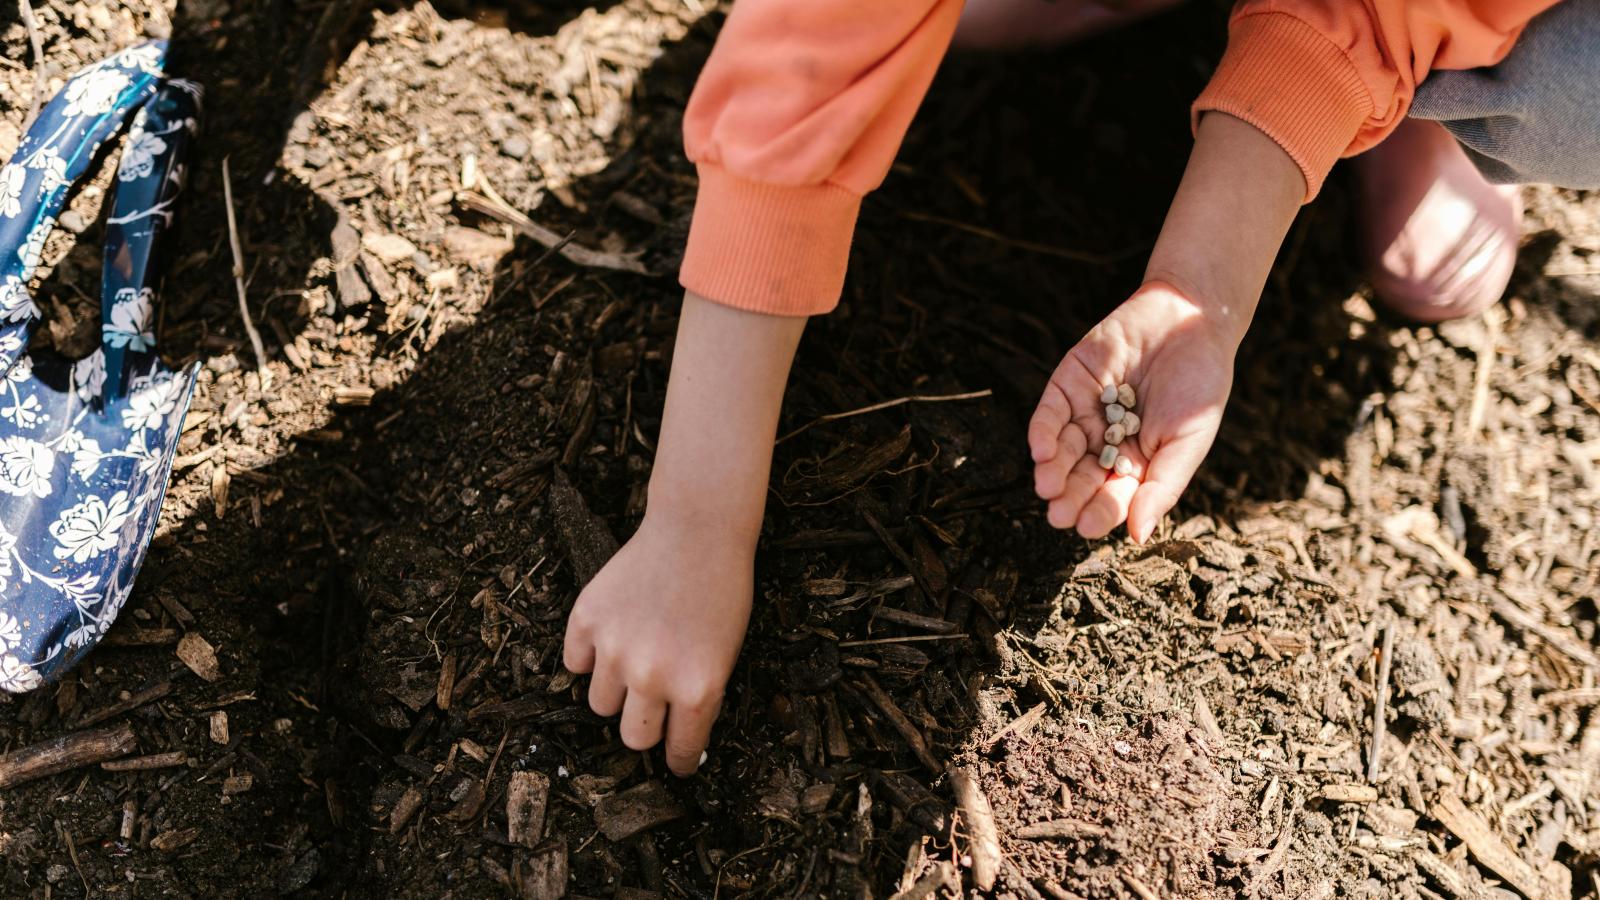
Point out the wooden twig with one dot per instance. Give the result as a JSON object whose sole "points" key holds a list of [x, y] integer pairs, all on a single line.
{"points": [[888, 404], [70, 751], [488, 203], [885, 704], [983, 839], [238, 277], [1380, 706], [903, 640], [145, 763], [1480, 380], [153, 692], [40, 72]]}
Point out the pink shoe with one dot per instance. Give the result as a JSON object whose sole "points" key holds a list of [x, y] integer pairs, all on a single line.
{"points": [[1439, 242], [1023, 24]]}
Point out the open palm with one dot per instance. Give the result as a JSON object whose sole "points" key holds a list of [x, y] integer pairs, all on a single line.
{"points": [[1181, 367]]}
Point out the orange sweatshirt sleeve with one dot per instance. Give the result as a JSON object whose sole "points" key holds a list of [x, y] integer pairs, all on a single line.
{"points": [[1331, 78], [797, 114]]}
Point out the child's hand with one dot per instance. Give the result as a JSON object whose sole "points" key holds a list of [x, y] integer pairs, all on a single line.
{"points": [[660, 628], [1180, 363]]}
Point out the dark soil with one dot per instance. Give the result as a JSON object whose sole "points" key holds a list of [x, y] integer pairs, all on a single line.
{"points": [[382, 543]]}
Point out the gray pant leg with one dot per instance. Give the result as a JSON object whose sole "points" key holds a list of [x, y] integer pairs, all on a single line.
{"points": [[1535, 117]]}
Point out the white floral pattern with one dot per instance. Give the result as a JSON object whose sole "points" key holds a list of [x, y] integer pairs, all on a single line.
{"points": [[17, 676], [152, 401], [32, 250], [89, 375], [86, 446], [131, 317], [90, 528], [13, 178], [25, 467], [139, 155], [95, 93]]}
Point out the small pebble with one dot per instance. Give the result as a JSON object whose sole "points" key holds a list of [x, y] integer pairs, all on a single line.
{"points": [[1126, 396], [1116, 433], [1115, 412], [1109, 395], [1130, 422], [1108, 457], [1123, 466]]}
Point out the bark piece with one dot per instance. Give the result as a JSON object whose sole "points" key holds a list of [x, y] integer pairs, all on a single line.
{"points": [[526, 798], [1491, 850], [69, 751], [544, 875], [198, 654], [584, 536], [624, 814]]}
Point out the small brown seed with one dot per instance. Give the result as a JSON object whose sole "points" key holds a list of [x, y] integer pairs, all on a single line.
{"points": [[1115, 412], [1123, 465], [1115, 434], [1130, 422], [1108, 457], [1109, 394], [1126, 396]]}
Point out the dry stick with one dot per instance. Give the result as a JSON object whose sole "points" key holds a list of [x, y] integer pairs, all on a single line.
{"points": [[1379, 729], [70, 751], [904, 640], [238, 277], [886, 705], [1480, 381], [491, 204], [983, 838], [888, 404], [145, 763], [40, 73], [153, 692]]}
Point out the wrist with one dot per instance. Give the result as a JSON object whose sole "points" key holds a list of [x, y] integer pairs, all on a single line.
{"points": [[1239, 195], [709, 518]]}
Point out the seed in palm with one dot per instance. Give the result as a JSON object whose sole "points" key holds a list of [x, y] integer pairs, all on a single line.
{"points": [[1125, 396], [1108, 457], [1116, 433], [1108, 394], [1115, 412], [1123, 465], [1130, 423]]}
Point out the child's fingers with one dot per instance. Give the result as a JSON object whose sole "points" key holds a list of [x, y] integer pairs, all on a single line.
{"points": [[688, 734], [1109, 506], [1050, 476], [1049, 418], [606, 691], [642, 721], [1082, 482], [577, 650], [1165, 480]]}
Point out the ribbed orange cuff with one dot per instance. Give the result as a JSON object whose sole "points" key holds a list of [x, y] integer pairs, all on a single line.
{"points": [[769, 248], [1287, 79]]}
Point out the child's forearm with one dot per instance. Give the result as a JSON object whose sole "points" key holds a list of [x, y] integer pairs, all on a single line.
{"points": [[1239, 194], [714, 455]]}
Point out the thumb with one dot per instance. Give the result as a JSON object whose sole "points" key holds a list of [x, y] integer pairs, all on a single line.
{"points": [[1171, 467]]}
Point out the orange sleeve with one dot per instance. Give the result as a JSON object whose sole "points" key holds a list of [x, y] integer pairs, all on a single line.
{"points": [[798, 113], [1331, 78]]}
